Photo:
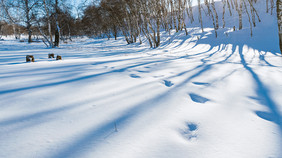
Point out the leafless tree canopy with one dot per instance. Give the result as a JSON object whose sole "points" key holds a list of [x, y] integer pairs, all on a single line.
{"points": [[56, 20]]}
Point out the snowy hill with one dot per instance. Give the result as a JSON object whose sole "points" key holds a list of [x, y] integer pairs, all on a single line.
{"points": [[212, 97]]}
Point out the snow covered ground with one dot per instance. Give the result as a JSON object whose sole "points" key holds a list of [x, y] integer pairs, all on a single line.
{"points": [[212, 98]]}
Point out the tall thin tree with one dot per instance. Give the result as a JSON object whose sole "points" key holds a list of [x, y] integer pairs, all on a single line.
{"points": [[279, 21]]}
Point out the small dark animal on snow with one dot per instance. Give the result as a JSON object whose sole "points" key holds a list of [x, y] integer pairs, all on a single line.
{"points": [[29, 58], [51, 55], [59, 57]]}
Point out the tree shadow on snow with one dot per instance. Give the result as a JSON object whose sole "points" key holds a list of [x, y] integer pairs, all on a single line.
{"points": [[263, 46], [94, 136]]}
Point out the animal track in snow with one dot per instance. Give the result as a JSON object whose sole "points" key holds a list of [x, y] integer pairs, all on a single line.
{"points": [[143, 71], [134, 76], [198, 99], [168, 83], [190, 132], [201, 83]]}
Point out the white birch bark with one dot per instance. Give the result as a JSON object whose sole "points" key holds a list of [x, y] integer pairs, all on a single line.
{"points": [[279, 21]]}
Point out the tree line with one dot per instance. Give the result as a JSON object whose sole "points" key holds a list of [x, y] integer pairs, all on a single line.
{"points": [[133, 19], [50, 19]]}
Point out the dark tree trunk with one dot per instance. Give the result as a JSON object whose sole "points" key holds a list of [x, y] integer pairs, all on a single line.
{"points": [[29, 33], [57, 32], [57, 38], [28, 25]]}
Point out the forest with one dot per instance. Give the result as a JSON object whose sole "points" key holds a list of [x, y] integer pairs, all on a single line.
{"points": [[55, 20], [140, 79]]}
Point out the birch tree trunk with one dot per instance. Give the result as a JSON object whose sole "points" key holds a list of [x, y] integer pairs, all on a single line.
{"points": [[228, 5], [173, 15], [215, 14], [10, 18], [49, 24], [279, 20], [251, 28], [191, 11], [223, 13], [200, 15], [266, 6], [28, 24], [240, 10]]}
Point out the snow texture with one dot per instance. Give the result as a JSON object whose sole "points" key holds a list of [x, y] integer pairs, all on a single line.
{"points": [[188, 98]]}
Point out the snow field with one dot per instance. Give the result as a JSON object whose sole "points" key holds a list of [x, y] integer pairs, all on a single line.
{"points": [[188, 98]]}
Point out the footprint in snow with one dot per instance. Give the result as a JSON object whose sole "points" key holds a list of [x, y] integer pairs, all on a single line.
{"points": [[134, 76], [190, 131], [168, 83], [198, 99], [201, 83], [141, 71], [266, 116]]}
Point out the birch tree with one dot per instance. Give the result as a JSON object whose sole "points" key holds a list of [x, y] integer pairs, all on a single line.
{"points": [[57, 28], [47, 14], [200, 15], [6, 7], [279, 21]]}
